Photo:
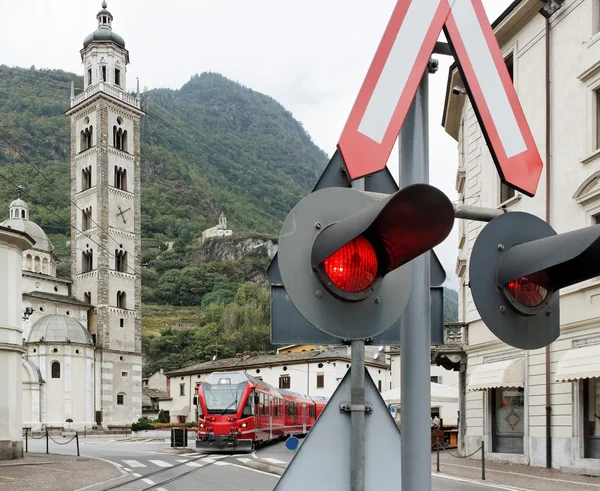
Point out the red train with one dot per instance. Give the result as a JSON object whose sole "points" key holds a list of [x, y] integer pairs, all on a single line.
{"points": [[237, 412]]}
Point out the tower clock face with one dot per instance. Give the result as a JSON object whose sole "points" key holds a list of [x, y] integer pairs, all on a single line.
{"points": [[122, 213]]}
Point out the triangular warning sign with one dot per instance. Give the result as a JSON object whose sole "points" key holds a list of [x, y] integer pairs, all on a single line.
{"points": [[323, 461]]}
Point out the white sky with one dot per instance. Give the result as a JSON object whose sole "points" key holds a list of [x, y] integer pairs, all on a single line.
{"points": [[311, 56]]}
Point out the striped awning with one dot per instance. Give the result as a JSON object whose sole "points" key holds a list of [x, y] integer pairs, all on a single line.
{"points": [[578, 363], [505, 373]]}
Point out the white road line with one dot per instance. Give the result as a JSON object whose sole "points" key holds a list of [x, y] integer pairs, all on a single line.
{"points": [[222, 463], [208, 460], [161, 489], [148, 481], [273, 461], [244, 460], [126, 469], [245, 467], [135, 474], [134, 463], [181, 460], [161, 463], [193, 464]]}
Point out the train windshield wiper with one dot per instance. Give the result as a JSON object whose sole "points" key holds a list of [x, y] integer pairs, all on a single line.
{"points": [[234, 402]]}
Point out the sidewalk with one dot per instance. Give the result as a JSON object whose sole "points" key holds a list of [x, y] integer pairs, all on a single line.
{"points": [[521, 477], [54, 472]]}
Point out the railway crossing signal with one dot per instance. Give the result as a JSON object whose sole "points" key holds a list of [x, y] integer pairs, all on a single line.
{"points": [[518, 265], [344, 254]]}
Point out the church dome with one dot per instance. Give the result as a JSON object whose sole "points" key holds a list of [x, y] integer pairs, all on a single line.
{"points": [[104, 33], [56, 328], [19, 203], [42, 243]]}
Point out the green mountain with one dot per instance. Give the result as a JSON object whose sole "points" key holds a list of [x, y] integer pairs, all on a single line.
{"points": [[212, 146]]}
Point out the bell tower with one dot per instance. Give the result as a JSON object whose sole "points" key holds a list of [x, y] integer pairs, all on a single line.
{"points": [[106, 244]]}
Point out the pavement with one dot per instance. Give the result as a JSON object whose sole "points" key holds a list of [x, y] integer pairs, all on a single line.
{"points": [[153, 462], [54, 472]]}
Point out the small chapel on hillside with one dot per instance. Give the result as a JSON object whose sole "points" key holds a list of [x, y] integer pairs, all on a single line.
{"points": [[219, 230]]}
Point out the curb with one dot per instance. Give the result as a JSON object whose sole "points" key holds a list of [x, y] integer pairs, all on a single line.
{"points": [[118, 466], [266, 467], [478, 482]]}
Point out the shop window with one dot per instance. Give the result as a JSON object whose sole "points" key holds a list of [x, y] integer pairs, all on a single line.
{"points": [[508, 420], [591, 418]]}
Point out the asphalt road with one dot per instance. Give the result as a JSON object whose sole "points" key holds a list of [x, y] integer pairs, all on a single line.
{"points": [[150, 465]]}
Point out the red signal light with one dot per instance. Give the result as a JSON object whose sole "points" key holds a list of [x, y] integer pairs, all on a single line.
{"points": [[530, 290], [353, 268]]}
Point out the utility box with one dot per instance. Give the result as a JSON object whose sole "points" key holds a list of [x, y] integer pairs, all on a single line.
{"points": [[179, 437]]}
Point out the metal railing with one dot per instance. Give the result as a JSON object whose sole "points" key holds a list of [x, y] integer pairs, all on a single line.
{"points": [[47, 436], [115, 92], [439, 446]]}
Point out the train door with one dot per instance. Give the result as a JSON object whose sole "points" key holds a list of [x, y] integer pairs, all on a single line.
{"points": [[304, 418], [270, 418]]}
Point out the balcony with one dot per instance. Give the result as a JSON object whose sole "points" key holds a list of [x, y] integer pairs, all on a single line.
{"points": [[451, 354], [111, 90]]}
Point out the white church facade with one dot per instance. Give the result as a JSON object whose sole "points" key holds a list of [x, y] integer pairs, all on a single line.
{"points": [[219, 230], [82, 337]]}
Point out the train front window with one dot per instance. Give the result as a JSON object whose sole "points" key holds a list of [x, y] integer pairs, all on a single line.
{"points": [[223, 392]]}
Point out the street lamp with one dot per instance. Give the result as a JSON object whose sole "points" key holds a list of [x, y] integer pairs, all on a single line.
{"points": [[550, 8]]}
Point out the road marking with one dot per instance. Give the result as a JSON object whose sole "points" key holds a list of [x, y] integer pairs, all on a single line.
{"points": [[148, 481], [161, 489], [181, 460], [193, 464], [273, 461], [134, 463], [135, 474], [161, 463], [222, 463], [479, 483], [208, 460], [245, 467], [244, 460], [6, 477], [126, 469]]}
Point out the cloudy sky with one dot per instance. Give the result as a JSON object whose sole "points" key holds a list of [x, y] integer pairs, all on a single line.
{"points": [[311, 56]]}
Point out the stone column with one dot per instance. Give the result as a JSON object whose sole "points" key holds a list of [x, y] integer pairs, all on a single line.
{"points": [[12, 245]]}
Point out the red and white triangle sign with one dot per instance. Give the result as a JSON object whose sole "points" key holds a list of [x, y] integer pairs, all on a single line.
{"points": [[397, 69]]}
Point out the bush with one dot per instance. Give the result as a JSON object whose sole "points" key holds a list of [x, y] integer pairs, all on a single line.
{"points": [[162, 417], [148, 424], [142, 424]]}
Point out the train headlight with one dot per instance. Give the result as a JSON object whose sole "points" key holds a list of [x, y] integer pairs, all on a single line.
{"points": [[243, 425], [201, 425]]}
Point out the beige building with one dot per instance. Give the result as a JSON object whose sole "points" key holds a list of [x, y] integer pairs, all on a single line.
{"points": [[507, 390]]}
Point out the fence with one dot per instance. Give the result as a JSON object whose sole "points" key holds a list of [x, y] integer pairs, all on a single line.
{"points": [[47, 436], [439, 446]]}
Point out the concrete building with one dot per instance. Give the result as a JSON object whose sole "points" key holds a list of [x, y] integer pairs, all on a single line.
{"points": [[12, 244], [219, 230], [154, 395], [514, 397], [313, 373], [106, 214]]}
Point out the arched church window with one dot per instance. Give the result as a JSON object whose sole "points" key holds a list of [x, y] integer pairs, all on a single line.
{"points": [[22, 213], [86, 178], [89, 77], [37, 263], [87, 296], [121, 260], [55, 369], [104, 73], [121, 300], [87, 261], [28, 262], [120, 178], [117, 77], [86, 218], [121, 399]]}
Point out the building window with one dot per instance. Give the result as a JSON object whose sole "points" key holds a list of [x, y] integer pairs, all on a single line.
{"points": [[596, 17], [122, 322], [87, 261], [181, 389], [120, 138], [379, 385], [591, 418], [120, 399], [87, 297], [508, 420], [120, 260], [104, 73], [117, 77], [597, 118], [86, 178], [436, 379], [320, 380], [120, 178], [121, 300], [124, 374], [510, 65], [86, 218], [284, 381], [86, 138], [55, 369], [506, 192]]}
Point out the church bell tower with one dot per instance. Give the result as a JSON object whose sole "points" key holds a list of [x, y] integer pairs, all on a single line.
{"points": [[106, 243]]}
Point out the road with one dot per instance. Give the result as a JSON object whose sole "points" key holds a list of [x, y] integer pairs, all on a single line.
{"points": [[152, 465]]}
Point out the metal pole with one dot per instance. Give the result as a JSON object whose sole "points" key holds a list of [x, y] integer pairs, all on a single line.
{"points": [[437, 447], [477, 213], [415, 356], [357, 417], [77, 440], [47, 440], [482, 460], [26, 449]]}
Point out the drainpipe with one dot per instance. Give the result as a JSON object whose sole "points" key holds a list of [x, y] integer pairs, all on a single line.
{"points": [[548, 118]]}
